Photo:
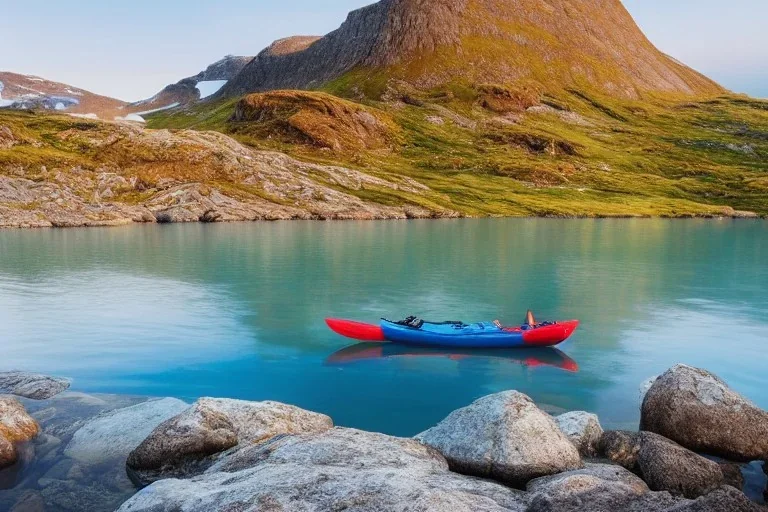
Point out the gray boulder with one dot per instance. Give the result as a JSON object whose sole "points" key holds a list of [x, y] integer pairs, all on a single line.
{"points": [[667, 466], [699, 411], [504, 437], [182, 445], [112, 435], [724, 499], [583, 429], [338, 469], [32, 385], [596, 488], [606, 472], [621, 447]]}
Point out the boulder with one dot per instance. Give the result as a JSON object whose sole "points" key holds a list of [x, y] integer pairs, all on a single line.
{"points": [[15, 424], [667, 466], [596, 488], [182, 445], [112, 435], [621, 447], [699, 411], [583, 429], [607, 472], [724, 499], [504, 437], [32, 385], [338, 469]]}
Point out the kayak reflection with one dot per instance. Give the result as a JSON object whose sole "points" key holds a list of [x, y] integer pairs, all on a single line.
{"points": [[532, 357]]}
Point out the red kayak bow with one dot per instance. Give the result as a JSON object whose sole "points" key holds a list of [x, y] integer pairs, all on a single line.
{"points": [[356, 330]]}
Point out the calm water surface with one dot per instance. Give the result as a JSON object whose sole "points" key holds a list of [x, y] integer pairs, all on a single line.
{"points": [[237, 310]]}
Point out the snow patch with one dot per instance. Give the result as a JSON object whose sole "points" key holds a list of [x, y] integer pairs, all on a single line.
{"points": [[5, 103], [76, 93], [85, 116], [60, 106], [210, 87], [131, 117], [172, 105]]}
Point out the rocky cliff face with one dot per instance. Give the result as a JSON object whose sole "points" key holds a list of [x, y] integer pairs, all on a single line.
{"points": [[552, 43]]}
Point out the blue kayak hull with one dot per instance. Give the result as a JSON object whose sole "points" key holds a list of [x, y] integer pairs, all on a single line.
{"points": [[482, 335]]}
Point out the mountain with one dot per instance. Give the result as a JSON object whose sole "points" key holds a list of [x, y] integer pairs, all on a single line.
{"points": [[412, 108], [546, 44], [33, 92], [194, 88]]}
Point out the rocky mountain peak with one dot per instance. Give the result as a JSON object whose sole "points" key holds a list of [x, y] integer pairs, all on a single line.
{"points": [[552, 43]]}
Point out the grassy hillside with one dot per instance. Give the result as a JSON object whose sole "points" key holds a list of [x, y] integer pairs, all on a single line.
{"points": [[491, 150]]}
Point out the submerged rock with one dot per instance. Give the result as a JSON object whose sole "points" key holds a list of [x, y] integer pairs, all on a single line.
{"points": [[15, 424], [114, 434], [181, 445], [504, 437], [699, 411], [7, 452], [583, 429], [32, 385], [338, 469], [667, 466]]}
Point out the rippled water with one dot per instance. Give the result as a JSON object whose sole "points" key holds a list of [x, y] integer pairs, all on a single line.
{"points": [[237, 310]]}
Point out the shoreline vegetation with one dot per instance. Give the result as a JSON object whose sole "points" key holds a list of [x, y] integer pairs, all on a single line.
{"points": [[699, 447], [470, 151]]}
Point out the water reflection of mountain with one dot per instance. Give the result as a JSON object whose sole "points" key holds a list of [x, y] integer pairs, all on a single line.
{"points": [[531, 358]]}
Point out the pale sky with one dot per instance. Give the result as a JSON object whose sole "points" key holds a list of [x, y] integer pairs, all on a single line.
{"points": [[132, 49]]}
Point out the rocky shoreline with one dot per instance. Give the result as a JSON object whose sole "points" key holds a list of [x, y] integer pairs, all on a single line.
{"points": [[700, 447]]}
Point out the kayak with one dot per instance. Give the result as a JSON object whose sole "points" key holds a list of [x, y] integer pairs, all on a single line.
{"points": [[457, 334], [532, 357]]}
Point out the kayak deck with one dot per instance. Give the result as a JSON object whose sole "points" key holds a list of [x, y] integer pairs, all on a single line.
{"points": [[478, 335], [457, 334]]}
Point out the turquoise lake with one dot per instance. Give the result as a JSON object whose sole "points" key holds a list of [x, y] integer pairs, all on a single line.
{"points": [[238, 310]]}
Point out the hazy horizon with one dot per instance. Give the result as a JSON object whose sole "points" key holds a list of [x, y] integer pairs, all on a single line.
{"points": [[124, 52]]}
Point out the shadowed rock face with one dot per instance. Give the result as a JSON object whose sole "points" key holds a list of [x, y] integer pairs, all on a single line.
{"points": [[699, 411], [621, 447], [504, 437], [430, 42], [667, 466]]}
